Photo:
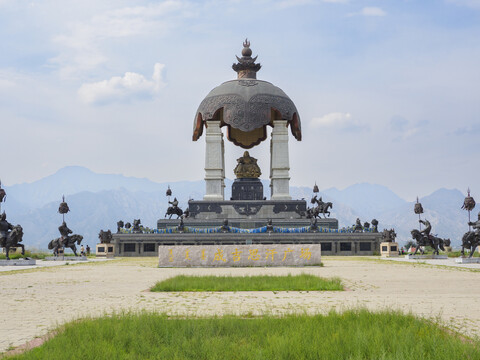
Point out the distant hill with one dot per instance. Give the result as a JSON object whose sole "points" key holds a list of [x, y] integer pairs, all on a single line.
{"points": [[98, 201]]}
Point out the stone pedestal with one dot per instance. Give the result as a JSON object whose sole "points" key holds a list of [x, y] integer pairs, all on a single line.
{"points": [[472, 260], [18, 262], [389, 249], [247, 189], [279, 162], [105, 250], [426, 257]]}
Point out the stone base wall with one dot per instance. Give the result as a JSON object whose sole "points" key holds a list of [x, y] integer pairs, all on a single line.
{"points": [[331, 243]]}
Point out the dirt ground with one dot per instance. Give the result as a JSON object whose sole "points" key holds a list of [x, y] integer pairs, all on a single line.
{"points": [[36, 301]]}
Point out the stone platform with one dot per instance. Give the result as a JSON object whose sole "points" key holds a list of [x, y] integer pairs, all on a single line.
{"points": [[331, 243], [472, 260], [430, 257], [66, 258], [18, 262]]}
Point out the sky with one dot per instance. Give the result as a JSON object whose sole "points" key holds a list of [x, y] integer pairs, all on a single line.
{"points": [[388, 91]]}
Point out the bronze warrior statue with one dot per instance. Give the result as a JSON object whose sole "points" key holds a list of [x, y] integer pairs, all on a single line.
{"points": [[471, 239], [65, 240], [174, 209], [10, 236]]}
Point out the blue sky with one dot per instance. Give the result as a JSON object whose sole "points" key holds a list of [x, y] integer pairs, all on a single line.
{"points": [[388, 91]]}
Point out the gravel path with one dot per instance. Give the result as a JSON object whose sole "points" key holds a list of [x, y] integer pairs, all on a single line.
{"points": [[38, 300]]}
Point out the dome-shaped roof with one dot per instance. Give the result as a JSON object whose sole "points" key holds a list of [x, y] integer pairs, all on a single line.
{"points": [[247, 104]]}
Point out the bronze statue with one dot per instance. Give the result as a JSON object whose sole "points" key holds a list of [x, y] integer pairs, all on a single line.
{"points": [[247, 167], [136, 226], [181, 226], [120, 225], [64, 231], [69, 242], [476, 225], [321, 208], [471, 239], [389, 235], [428, 227], [12, 239], [313, 225], [105, 236], [5, 228], [225, 228], [435, 242], [375, 225], [358, 226], [269, 226], [174, 209]]}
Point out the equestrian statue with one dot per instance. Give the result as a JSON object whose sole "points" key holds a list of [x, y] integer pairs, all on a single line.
{"points": [[321, 208], [10, 236], [65, 240], [471, 239], [174, 209], [424, 238]]}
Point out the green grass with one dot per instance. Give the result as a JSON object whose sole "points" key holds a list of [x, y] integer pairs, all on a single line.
{"points": [[32, 255], [303, 282], [351, 335]]}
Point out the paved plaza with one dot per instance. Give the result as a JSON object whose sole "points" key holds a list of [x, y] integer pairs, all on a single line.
{"points": [[38, 300]]}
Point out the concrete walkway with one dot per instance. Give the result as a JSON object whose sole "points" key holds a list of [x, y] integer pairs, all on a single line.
{"points": [[39, 300]]}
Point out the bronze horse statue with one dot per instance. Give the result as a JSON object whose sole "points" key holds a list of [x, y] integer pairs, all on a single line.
{"points": [[69, 242], [13, 239], [174, 211], [470, 241], [435, 242], [321, 208]]}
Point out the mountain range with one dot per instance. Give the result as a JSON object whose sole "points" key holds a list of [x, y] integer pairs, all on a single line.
{"points": [[98, 201]]}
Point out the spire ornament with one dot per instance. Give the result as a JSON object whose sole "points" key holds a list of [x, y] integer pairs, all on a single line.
{"points": [[418, 209], [469, 205], [246, 67], [63, 208]]}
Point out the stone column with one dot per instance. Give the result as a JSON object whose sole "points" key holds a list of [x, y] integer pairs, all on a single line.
{"points": [[279, 162], [214, 162]]}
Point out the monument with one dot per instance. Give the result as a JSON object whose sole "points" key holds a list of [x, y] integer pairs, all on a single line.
{"points": [[243, 109], [424, 238], [65, 240], [106, 248], [388, 246]]}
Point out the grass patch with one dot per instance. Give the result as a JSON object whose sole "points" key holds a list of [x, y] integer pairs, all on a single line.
{"points": [[302, 282], [18, 255], [350, 335]]}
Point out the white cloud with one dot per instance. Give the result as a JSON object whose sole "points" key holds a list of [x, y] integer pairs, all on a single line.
{"points": [[372, 11], [369, 11], [474, 4], [82, 48], [123, 89], [338, 121]]}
